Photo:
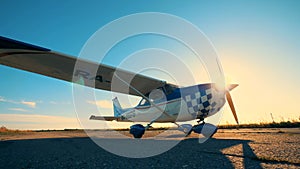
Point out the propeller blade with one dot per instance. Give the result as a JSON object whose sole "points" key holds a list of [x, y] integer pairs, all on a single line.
{"points": [[231, 86], [230, 102]]}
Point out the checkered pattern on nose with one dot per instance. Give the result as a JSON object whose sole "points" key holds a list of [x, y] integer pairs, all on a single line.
{"points": [[200, 101]]}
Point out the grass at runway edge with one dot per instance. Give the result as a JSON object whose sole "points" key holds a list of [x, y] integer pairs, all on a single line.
{"points": [[283, 124]]}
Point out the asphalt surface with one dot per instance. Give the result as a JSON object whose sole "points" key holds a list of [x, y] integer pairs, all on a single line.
{"points": [[268, 148]]}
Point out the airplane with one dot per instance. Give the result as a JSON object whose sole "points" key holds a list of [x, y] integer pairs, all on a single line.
{"points": [[160, 101]]}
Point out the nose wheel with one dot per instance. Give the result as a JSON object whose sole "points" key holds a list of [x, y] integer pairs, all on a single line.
{"points": [[206, 129]]}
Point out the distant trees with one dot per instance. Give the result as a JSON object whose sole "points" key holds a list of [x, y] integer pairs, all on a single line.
{"points": [[3, 129]]}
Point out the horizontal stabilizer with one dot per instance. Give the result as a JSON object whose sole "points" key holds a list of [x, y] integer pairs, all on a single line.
{"points": [[108, 118]]}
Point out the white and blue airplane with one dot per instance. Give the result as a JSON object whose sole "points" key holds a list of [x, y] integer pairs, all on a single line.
{"points": [[160, 101]]}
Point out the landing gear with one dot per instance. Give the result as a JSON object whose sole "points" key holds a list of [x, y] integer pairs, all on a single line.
{"points": [[206, 129], [186, 128], [137, 130]]}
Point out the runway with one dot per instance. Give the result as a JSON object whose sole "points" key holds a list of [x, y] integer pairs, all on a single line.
{"points": [[244, 148]]}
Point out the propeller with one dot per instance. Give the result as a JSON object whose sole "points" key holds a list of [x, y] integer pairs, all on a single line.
{"points": [[230, 102], [228, 96]]}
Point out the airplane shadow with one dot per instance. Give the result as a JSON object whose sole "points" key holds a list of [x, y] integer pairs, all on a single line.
{"points": [[84, 153]]}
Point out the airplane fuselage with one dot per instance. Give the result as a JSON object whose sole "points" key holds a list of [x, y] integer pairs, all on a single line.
{"points": [[181, 104]]}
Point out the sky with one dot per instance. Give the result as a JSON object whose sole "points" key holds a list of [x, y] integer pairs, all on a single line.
{"points": [[257, 43]]}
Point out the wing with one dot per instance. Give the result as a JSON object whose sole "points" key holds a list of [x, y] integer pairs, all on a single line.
{"points": [[43, 61]]}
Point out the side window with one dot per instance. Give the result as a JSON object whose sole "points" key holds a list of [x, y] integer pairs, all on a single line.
{"points": [[156, 94], [143, 102]]}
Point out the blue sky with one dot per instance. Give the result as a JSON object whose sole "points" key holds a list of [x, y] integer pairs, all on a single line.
{"points": [[258, 43]]}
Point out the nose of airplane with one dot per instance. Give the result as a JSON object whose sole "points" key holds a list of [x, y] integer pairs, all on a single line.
{"points": [[217, 102]]}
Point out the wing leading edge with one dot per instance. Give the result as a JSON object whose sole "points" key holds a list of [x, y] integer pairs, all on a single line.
{"points": [[43, 61]]}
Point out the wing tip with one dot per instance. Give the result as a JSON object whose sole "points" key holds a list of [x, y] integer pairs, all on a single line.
{"points": [[7, 43]]}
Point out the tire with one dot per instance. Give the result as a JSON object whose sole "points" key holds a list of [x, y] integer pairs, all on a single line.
{"points": [[186, 128], [137, 130], [206, 129]]}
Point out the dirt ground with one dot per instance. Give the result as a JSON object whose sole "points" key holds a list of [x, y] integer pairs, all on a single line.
{"points": [[244, 148]]}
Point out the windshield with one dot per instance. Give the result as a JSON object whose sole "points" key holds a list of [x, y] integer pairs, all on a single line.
{"points": [[155, 96], [143, 102]]}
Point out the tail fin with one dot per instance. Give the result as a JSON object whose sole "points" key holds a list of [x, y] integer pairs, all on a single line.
{"points": [[117, 107]]}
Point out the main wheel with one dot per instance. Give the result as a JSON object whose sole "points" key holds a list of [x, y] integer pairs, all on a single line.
{"points": [[137, 130]]}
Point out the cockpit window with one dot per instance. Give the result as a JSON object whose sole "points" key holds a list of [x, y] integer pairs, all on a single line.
{"points": [[143, 102], [156, 94]]}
